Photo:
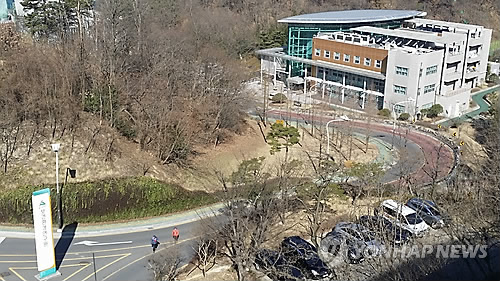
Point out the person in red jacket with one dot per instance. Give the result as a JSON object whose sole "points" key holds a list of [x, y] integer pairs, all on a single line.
{"points": [[175, 234]]}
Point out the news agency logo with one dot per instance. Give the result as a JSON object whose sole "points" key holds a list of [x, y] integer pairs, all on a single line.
{"points": [[439, 251]]}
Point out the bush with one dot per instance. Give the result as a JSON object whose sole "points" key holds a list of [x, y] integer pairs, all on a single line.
{"points": [[279, 98], [493, 78], [434, 111], [384, 112], [107, 200], [404, 116]]}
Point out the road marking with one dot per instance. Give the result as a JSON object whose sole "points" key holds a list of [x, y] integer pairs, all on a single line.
{"points": [[1, 278], [92, 274], [1, 240], [138, 259], [94, 243], [84, 252], [76, 272], [17, 274]]}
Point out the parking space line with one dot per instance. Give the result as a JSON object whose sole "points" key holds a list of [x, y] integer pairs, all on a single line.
{"points": [[17, 274], [117, 260], [76, 272]]}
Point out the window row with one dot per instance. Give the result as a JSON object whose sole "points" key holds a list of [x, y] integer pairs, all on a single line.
{"points": [[347, 58], [399, 90], [431, 70], [429, 88], [401, 70]]}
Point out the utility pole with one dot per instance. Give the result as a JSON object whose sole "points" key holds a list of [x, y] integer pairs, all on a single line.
{"points": [[266, 95]]}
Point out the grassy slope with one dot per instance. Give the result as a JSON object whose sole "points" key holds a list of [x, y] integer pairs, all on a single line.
{"points": [[106, 200]]}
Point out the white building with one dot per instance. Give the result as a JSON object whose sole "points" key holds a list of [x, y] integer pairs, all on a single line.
{"points": [[406, 69]]}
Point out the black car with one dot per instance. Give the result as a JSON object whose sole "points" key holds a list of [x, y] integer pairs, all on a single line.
{"points": [[304, 256], [386, 229], [428, 211], [337, 243], [276, 267]]}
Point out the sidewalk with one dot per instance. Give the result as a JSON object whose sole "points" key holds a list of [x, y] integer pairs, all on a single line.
{"points": [[122, 227], [482, 106]]}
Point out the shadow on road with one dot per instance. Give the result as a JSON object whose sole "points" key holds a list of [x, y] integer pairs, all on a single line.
{"points": [[64, 242]]}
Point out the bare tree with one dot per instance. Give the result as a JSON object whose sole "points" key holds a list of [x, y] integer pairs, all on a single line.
{"points": [[165, 265], [205, 254]]}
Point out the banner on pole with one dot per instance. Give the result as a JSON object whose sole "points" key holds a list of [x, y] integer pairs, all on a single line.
{"points": [[44, 241]]}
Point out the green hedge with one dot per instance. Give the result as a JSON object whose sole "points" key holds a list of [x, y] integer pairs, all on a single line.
{"points": [[107, 200]]}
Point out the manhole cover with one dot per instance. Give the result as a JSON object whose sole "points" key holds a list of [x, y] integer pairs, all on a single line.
{"points": [[82, 263], [4, 274]]}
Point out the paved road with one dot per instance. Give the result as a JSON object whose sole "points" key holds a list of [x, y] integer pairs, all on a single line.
{"points": [[122, 252], [421, 156], [120, 256]]}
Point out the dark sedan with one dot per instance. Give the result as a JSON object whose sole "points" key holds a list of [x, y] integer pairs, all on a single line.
{"points": [[386, 229], [428, 211], [304, 256]]}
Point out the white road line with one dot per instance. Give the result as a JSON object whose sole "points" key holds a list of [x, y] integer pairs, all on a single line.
{"points": [[1, 239], [94, 243]]}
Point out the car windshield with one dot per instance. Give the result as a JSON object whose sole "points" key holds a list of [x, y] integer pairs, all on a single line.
{"points": [[413, 219], [433, 211], [368, 236]]}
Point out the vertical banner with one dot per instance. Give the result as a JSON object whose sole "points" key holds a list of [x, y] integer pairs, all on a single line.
{"points": [[44, 240]]}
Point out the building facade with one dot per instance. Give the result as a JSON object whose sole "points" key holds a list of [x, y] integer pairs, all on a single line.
{"points": [[405, 69], [302, 28]]}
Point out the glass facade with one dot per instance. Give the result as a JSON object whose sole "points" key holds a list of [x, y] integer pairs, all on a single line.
{"points": [[300, 38]]}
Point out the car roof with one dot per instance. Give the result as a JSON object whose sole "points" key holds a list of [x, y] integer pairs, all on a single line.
{"points": [[394, 205], [421, 201]]}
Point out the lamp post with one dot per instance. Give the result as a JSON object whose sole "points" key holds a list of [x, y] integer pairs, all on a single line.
{"points": [[342, 118], [72, 174], [55, 148], [394, 115]]}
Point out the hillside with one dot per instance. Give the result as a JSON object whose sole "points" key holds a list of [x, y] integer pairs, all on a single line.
{"points": [[161, 96]]}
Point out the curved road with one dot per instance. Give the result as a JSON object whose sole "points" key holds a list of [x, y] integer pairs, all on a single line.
{"points": [[422, 157], [122, 252]]}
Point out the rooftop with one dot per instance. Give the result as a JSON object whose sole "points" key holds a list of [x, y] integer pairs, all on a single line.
{"points": [[445, 23], [443, 38], [354, 16]]}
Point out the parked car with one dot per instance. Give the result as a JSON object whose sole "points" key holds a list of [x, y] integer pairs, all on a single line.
{"points": [[428, 211], [304, 256], [338, 244], [363, 239], [386, 229], [403, 216], [276, 267]]}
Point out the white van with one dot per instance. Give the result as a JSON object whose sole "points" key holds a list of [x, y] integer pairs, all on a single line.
{"points": [[403, 216]]}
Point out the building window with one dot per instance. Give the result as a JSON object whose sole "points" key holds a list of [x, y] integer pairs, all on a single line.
{"points": [[431, 70], [317, 52], [425, 106], [399, 108], [399, 90], [378, 64], [327, 54], [429, 88], [357, 59], [368, 61], [347, 58], [336, 55], [401, 70]]}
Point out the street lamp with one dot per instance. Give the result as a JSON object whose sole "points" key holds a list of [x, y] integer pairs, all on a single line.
{"points": [[394, 115], [342, 118], [55, 148], [72, 174]]}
